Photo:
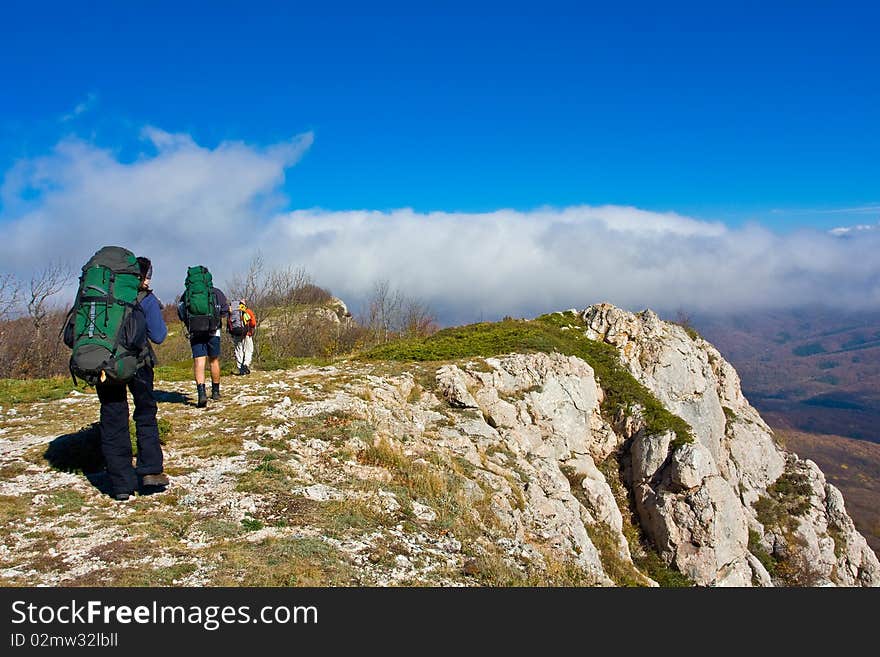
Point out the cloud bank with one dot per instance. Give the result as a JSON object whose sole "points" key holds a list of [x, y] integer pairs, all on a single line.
{"points": [[181, 204]]}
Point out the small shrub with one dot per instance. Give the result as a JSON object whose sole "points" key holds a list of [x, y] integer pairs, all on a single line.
{"points": [[760, 553], [791, 484], [251, 524], [683, 320], [839, 544], [787, 499]]}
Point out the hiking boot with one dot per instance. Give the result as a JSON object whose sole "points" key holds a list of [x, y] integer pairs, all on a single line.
{"points": [[203, 397], [241, 371], [247, 370], [215, 391], [159, 479], [121, 497]]}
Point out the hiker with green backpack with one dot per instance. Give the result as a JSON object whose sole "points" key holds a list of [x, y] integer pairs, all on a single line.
{"points": [[114, 319], [202, 308]]}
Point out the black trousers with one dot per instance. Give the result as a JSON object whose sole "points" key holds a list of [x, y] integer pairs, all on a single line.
{"points": [[115, 439]]}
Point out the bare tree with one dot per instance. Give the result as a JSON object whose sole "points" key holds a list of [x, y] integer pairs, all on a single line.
{"points": [[45, 284], [10, 295], [29, 342], [390, 314], [252, 284], [418, 319], [268, 291], [383, 310], [282, 285], [289, 304], [685, 320]]}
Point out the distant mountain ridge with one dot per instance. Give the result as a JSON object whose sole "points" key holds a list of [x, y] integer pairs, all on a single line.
{"points": [[810, 369]]}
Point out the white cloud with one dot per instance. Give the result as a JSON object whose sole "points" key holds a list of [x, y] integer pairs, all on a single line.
{"points": [[185, 204], [845, 230], [859, 209], [81, 108]]}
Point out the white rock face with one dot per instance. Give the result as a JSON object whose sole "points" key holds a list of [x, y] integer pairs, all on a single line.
{"points": [[698, 502], [453, 385], [543, 410], [540, 416], [664, 359], [649, 452], [857, 563]]}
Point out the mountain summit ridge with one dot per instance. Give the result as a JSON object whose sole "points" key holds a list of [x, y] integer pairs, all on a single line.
{"points": [[596, 447]]}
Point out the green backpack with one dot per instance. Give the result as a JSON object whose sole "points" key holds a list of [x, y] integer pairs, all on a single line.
{"points": [[200, 301], [107, 328]]}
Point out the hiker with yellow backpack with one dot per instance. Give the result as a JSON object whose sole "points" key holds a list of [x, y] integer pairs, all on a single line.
{"points": [[241, 325]]}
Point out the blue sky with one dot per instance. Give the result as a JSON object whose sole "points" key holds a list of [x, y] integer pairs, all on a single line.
{"points": [[734, 112], [490, 160]]}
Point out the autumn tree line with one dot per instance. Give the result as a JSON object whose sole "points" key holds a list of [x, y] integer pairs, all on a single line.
{"points": [[297, 318]]}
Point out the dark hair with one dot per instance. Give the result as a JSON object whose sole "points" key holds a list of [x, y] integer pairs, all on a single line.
{"points": [[146, 267]]}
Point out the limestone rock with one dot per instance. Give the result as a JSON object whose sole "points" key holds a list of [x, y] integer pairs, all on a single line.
{"points": [[690, 465], [698, 505], [649, 452], [453, 386]]}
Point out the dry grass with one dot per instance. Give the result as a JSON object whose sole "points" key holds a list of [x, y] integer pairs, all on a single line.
{"points": [[280, 562], [136, 575], [621, 571], [13, 508]]}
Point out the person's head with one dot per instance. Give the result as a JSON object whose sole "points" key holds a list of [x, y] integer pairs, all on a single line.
{"points": [[242, 303], [146, 271]]}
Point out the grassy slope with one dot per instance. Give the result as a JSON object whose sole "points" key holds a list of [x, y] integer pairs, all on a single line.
{"points": [[25, 391], [556, 332]]}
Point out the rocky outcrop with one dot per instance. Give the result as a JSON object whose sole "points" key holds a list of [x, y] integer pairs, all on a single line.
{"points": [[546, 408], [699, 501], [541, 412], [332, 314]]}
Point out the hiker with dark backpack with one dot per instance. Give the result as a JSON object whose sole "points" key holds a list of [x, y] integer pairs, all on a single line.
{"points": [[241, 325], [202, 308], [113, 321]]}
